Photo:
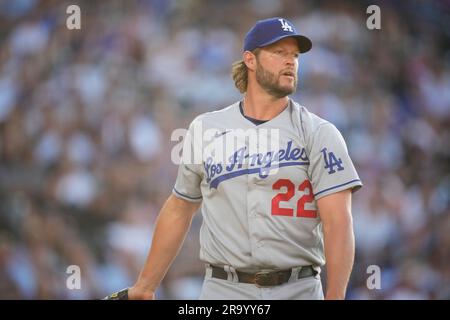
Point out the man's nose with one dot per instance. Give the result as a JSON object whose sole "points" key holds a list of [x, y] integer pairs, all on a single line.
{"points": [[290, 60]]}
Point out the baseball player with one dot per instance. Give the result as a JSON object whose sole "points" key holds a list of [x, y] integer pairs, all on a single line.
{"points": [[272, 215]]}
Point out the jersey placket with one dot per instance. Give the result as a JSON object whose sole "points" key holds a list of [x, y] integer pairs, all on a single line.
{"points": [[254, 215]]}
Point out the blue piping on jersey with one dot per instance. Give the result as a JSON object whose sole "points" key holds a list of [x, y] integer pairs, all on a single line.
{"points": [[341, 185], [215, 182], [183, 195]]}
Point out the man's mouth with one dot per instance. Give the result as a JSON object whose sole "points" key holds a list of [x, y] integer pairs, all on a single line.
{"points": [[290, 74]]}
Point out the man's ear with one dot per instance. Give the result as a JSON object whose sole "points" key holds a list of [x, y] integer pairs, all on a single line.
{"points": [[249, 59]]}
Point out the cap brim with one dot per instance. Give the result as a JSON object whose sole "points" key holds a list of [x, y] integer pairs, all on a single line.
{"points": [[304, 43]]}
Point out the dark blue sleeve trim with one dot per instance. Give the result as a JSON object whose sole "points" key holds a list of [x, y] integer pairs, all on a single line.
{"points": [[335, 187], [183, 195]]}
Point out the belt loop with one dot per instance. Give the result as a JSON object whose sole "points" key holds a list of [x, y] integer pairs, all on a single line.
{"points": [[208, 272], [230, 273], [294, 273], [234, 276], [318, 270]]}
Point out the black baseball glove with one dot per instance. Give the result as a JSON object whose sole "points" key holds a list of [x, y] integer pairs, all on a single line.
{"points": [[119, 295]]}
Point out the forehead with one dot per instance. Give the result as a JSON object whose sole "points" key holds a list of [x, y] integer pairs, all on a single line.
{"points": [[289, 43]]}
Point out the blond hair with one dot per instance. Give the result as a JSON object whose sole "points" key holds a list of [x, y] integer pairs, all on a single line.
{"points": [[239, 73]]}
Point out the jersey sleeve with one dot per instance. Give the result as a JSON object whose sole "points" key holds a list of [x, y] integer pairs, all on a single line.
{"points": [[331, 169], [189, 176]]}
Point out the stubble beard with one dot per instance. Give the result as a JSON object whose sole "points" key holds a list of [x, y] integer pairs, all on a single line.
{"points": [[271, 84]]}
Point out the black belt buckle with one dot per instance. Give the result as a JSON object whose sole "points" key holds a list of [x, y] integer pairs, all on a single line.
{"points": [[265, 279]]}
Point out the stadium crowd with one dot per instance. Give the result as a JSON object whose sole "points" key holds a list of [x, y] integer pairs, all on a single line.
{"points": [[86, 118]]}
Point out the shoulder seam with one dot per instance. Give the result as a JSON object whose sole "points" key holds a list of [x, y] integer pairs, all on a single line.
{"points": [[320, 125]]}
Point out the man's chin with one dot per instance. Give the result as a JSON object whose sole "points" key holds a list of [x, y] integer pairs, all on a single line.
{"points": [[280, 91], [287, 85], [282, 94], [286, 90]]}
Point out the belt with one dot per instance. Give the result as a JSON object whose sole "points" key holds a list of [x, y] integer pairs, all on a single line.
{"points": [[264, 278]]}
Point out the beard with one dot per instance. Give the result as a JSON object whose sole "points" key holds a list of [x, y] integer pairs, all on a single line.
{"points": [[271, 83]]}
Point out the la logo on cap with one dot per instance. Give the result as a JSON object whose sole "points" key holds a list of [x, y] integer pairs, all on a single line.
{"points": [[285, 25]]}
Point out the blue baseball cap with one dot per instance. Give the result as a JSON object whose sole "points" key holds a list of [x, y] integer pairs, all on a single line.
{"points": [[269, 31]]}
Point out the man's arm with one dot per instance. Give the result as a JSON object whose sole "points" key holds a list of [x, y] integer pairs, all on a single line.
{"points": [[339, 242], [172, 225]]}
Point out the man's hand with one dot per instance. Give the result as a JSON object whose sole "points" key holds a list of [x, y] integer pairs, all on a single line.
{"points": [[132, 293], [139, 293], [119, 295]]}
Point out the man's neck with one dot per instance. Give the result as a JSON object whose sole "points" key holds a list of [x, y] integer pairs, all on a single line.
{"points": [[262, 106]]}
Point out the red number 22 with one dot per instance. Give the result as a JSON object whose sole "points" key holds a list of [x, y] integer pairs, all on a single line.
{"points": [[290, 191]]}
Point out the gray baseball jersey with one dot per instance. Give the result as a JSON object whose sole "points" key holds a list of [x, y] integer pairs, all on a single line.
{"points": [[259, 207]]}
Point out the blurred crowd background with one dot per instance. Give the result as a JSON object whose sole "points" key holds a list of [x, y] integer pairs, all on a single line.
{"points": [[86, 118]]}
